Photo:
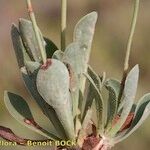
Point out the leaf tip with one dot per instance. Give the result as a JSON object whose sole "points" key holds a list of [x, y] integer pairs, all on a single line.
{"points": [[136, 67], [94, 14], [5, 93], [135, 71], [23, 21], [13, 26]]}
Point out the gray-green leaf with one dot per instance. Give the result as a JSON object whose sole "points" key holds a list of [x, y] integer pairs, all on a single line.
{"points": [[48, 111], [113, 86], [75, 56], [53, 86], [95, 77], [99, 105], [128, 98], [141, 113], [20, 110], [77, 53], [58, 55], [84, 32], [29, 39], [21, 55]]}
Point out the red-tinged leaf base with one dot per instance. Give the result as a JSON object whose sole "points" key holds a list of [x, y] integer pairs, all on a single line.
{"points": [[127, 123], [31, 122], [47, 64], [90, 142], [8, 134]]}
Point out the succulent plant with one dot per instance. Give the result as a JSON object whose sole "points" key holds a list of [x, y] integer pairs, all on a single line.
{"points": [[57, 81]]}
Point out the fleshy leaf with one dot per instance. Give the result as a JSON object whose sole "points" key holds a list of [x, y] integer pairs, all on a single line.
{"points": [[50, 47], [95, 77], [88, 101], [29, 39], [75, 56], [128, 98], [21, 55], [48, 111], [83, 35], [20, 110], [77, 53], [53, 86], [8, 134], [99, 105], [126, 124], [98, 84], [58, 55], [113, 86], [84, 32], [141, 114], [74, 89]]}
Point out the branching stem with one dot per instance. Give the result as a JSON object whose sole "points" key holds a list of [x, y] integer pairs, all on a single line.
{"points": [[36, 30], [129, 44], [63, 23]]}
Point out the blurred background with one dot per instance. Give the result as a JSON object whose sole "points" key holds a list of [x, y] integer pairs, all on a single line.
{"points": [[108, 52]]}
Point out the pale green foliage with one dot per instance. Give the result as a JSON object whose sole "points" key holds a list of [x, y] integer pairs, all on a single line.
{"points": [[113, 86], [141, 113], [20, 110], [127, 98], [29, 39], [58, 87], [53, 86]]}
